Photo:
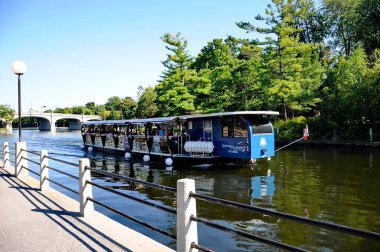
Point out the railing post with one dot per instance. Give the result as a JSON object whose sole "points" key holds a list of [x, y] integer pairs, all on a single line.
{"points": [[44, 171], [6, 161], [20, 160], [86, 207], [187, 232]]}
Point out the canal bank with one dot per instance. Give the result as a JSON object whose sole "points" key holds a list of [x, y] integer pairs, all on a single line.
{"points": [[331, 143]]}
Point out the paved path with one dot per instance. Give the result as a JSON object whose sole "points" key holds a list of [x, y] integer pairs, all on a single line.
{"points": [[34, 221]]}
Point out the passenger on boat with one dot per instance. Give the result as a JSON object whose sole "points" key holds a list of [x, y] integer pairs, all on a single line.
{"points": [[162, 132], [154, 132]]}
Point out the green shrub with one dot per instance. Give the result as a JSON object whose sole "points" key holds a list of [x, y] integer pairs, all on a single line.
{"points": [[319, 128]]}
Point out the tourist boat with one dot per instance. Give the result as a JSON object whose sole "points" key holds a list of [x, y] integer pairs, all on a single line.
{"points": [[229, 137]]}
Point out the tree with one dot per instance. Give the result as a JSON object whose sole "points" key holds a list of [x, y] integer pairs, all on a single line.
{"points": [[199, 86], [146, 103], [310, 21], [113, 103], [179, 60], [7, 113], [173, 98], [217, 53], [91, 106], [368, 24], [213, 86], [102, 111], [128, 107], [293, 68], [221, 96], [352, 101], [342, 19], [173, 95], [249, 92], [352, 23], [81, 110], [66, 110]]}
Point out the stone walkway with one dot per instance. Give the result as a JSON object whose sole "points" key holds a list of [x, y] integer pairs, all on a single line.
{"points": [[31, 220]]}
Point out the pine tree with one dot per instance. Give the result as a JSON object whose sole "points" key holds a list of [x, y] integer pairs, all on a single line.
{"points": [[173, 94], [293, 68], [179, 60]]}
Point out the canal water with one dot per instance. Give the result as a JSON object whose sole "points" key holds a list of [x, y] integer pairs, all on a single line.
{"points": [[330, 184]]}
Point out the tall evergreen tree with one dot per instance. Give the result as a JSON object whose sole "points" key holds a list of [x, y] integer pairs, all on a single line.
{"points": [[173, 94], [178, 60], [295, 73]]}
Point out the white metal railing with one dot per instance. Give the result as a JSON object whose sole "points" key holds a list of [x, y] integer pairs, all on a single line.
{"points": [[186, 214], [187, 235]]}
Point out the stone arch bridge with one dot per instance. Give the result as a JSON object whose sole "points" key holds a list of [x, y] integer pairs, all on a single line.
{"points": [[47, 121]]}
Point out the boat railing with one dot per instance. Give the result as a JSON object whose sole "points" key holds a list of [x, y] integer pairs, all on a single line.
{"points": [[185, 196]]}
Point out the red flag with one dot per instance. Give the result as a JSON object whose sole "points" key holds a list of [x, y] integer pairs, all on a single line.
{"points": [[305, 133]]}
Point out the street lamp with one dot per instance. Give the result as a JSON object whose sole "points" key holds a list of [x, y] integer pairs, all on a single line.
{"points": [[19, 68]]}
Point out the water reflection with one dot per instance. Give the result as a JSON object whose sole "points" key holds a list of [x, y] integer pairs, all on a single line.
{"points": [[263, 188]]}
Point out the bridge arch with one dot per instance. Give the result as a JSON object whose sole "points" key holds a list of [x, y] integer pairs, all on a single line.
{"points": [[47, 121], [43, 123], [74, 123]]}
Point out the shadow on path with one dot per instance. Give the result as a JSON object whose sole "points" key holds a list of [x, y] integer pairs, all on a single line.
{"points": [[69, 221]]}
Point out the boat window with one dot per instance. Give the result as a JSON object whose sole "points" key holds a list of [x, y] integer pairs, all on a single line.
{"points": [[137, 129], [234, 127], [240, 129], [109, 128], [260, 125]]}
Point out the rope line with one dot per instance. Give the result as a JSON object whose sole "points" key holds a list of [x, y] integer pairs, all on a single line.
{"points": [[289, 144]]}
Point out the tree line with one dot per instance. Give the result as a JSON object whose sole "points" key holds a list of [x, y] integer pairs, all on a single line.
{"points": [[318, 64]]}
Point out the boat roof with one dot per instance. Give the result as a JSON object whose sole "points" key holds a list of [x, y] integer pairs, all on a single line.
{"points": [[183, 117], [233, 113], [97, 122]]}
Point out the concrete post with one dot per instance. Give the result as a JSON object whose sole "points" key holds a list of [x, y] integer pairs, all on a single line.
{"points": [[186, 207], [44, 171], [19, 159], [370, 135], [6, 160], [85, 190]]}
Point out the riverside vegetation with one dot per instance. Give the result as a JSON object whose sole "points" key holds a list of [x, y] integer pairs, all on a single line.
{"points": [[319, 65]]}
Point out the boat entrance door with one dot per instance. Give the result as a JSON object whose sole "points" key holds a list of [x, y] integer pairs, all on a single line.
{"points": [[207, 130]]}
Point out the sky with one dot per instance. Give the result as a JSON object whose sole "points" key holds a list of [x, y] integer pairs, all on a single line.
{"points": [[80, 51]]}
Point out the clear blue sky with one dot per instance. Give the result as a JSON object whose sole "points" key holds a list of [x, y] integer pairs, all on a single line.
{"points": [[82, 51]]}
